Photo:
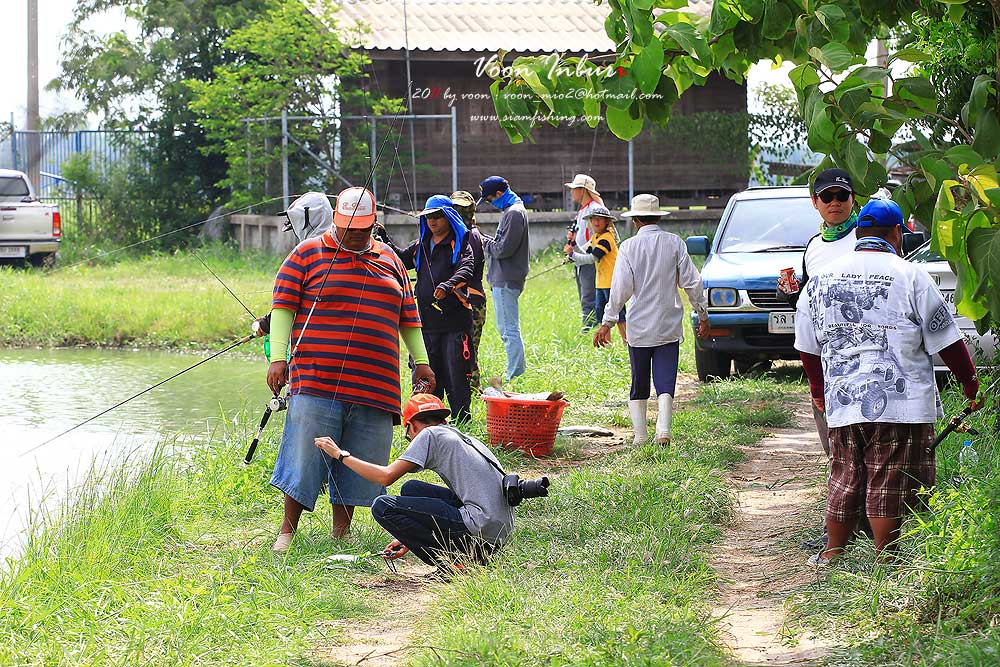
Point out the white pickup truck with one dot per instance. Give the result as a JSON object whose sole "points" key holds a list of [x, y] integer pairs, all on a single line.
{"points": [[29, 229]]}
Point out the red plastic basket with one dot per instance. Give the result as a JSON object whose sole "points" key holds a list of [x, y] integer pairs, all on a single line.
{"points": [[526, 425]]}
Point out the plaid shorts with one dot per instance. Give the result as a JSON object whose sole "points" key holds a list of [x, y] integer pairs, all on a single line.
{"points": [[892, 458]]}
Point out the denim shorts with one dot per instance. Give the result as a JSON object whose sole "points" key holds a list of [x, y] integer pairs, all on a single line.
{"points": [[301, 468]]}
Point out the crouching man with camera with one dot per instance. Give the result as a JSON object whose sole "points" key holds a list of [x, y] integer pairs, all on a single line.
{"points": [[470, 518]]}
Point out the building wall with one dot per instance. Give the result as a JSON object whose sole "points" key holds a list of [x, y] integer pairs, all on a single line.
{"points": [[679, 171]]}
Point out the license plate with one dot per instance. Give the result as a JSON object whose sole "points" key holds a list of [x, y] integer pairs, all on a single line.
{"points": [[949, 298], [781, 323], [13, 251]]}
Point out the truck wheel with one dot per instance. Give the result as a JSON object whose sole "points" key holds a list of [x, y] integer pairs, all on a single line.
{"points": [[711, 365], [873, 404], [851, 312], [45, 260], [844, 396]]}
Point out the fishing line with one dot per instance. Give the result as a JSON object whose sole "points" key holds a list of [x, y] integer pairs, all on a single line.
{"points": [[249, 312], [144, 391], [551, 268]]}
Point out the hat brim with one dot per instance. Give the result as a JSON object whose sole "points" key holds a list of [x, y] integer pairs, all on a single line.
{"points": [[440, 413], [834, 185], [645, 214], [341, 221], [599, 215], [428, 211]]}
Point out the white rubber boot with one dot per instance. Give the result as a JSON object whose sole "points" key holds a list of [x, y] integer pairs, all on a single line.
{"points": [[665, 405], [637, 409]]}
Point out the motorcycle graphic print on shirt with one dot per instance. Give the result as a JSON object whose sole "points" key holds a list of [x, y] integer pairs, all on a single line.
{"points": [[875, 320]]}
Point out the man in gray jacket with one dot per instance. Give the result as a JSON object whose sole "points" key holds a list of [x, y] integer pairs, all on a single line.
{"points": [[507, 253]]}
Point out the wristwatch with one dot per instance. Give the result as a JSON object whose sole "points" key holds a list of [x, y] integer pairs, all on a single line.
{"points": [[343, 455]]}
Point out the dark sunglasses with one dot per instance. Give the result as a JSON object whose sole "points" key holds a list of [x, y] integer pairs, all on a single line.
{"points": [[436, 216], [841, 195]]}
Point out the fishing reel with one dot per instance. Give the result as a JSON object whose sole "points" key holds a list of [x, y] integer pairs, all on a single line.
{"points": [[278, 403]]}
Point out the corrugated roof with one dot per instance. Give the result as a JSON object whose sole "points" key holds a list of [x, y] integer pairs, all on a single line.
{"points": [[483, 25]]}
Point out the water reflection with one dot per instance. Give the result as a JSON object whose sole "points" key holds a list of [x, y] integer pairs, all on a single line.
{"points": [[46, 392]]}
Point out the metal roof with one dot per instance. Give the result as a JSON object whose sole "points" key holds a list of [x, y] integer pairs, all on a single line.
{"points": [[534, 26]]}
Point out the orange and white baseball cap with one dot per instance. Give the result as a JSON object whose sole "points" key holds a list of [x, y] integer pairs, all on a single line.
{"points": [[355, 208], [428, 404]]}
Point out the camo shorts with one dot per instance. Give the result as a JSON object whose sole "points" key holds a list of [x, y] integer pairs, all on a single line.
{"points": [[892, 458]]}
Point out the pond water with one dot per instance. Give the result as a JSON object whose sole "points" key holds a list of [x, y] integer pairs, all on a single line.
{"points": [[48, 391]]}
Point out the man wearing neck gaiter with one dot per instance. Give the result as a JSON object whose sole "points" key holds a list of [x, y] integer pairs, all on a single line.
{"points": [[833, 198], [508, 266]]}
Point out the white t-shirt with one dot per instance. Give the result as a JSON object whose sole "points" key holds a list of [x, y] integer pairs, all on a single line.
{"points": [[875, 320], [582, 229], [820, 254]]}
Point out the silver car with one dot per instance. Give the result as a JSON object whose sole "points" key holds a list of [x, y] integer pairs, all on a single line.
{"points": [[982, 348]]}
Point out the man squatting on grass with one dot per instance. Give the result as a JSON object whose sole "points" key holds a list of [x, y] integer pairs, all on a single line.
{"points": [[344, 374], [469, 519], [443, 260], [651, 266], [867, 326]]}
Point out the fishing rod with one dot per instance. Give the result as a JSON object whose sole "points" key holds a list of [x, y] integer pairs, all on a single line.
{"points": [[144, 391], [551, 268], [955, 424]]}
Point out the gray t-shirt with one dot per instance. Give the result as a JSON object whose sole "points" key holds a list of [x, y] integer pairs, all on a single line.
{"points": [[478, 484]]}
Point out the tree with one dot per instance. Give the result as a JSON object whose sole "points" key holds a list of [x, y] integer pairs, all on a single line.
{"points": [[851, 117], [135, 79], [286, 59]]}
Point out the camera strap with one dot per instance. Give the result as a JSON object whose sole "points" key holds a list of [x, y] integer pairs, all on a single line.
{"points": [[467, 440]]}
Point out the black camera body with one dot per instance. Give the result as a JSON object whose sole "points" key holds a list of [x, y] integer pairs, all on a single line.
{"points": [[516, 489]]}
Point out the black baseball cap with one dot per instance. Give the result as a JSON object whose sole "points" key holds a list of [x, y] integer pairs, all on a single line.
{"points": [[832, 178]]}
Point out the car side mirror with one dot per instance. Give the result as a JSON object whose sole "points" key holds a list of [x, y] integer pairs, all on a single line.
{"points": [[912, 241], [697, 245]]}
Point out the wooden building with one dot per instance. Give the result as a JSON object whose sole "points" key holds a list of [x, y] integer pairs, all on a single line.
{"points": [[443, 51]]}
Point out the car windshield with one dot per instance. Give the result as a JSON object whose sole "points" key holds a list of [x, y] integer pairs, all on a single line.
{"points": [[13, 186], [924, 254], [770, 225]]}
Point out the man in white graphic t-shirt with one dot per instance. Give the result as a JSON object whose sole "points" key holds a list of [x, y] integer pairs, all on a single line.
{"points": [[867, 326]]}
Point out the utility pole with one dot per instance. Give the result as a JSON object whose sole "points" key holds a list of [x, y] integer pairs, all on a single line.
{"points": [[31, 123]]}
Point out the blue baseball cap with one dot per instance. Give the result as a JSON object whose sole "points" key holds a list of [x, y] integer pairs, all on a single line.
{"points": [[491, 186], [880, 213]]}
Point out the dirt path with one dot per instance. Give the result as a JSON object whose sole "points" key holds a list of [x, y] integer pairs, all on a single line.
{"points": [[382, 641], [760, 561]]}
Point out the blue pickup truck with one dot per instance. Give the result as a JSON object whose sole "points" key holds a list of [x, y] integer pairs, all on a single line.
{"points": [[762, 231]]}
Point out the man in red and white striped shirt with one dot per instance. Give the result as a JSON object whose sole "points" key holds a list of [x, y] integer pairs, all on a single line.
{"points": [[344, 300]]}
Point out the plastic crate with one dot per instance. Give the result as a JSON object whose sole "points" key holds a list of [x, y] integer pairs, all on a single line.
{"points": [[526, 425]]}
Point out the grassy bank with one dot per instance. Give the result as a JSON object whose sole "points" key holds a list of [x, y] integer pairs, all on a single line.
{"points": [[612, 569], [160, 300], [938, 603], [165, 560]]}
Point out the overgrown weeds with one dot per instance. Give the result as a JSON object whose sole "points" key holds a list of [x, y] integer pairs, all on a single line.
{"points": [[938, 601]]}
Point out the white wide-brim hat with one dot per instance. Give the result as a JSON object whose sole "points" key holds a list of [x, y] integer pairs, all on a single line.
{"points": [[645, 206], [585, 182]]}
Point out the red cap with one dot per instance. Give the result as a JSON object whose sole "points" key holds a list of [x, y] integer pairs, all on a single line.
{"points": [[424, 403]]}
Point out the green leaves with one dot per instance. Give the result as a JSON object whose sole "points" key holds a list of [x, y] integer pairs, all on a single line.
{"points": [[648, 65], [625, 123], [777, 21], [984, 255], [833, 55]]}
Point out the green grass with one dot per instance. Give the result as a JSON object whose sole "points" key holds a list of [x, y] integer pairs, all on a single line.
{"points": [[612, 567], [161, 300], [164, 560], [938, 602]]}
